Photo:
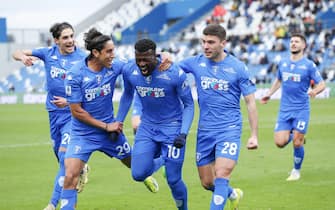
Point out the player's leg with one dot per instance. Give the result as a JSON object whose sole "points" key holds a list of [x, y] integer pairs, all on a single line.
{"points": [[60, 128], [174, 159], [55, 133], [74, 162], [226, 153], [73, 167], [283, 130], [58, 183], [121, 150], [300, 128], [143, 164], [283, 137]]}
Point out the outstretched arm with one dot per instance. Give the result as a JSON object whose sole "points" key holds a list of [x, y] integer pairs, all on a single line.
{"points": [[25, 56]]}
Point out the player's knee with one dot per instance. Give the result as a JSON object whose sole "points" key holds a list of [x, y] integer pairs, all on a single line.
{"points": [[207, 184], [280, 144], [139, 176]]}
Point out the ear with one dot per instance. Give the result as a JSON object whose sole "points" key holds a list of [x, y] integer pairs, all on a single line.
{"points": [[56, 41], [223, 43], [95, 52]]}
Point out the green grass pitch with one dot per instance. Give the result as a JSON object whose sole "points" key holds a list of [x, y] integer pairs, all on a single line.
{"points": [[28, 167]]}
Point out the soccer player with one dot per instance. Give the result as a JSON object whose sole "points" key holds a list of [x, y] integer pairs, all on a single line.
{"points": [[58, 59], [89, 89], [294, 76], [166, 118], [221, 79]]}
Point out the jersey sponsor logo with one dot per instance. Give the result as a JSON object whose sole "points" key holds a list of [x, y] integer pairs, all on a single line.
{"points": [[214, 84], [91, 94], [150, 91], [57, 73], [291, 76]]}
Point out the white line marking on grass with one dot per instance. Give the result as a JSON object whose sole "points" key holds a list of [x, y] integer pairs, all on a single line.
{"points": [[24, 145]]}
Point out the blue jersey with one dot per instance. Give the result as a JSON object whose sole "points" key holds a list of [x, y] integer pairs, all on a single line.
{"points": [[219, 88], [94, 90], [165, 96], [56, 67], [295, 77]]}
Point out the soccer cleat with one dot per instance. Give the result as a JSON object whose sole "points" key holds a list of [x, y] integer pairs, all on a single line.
{"points": [[83, 178], [50, 207], [152, 184], [294, 175], [234, 203]]}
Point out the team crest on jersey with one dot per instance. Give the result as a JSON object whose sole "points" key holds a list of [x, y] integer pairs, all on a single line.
{"points": [[148, 79], [98, 78]]}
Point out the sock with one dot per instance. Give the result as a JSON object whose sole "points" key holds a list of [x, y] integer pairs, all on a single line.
{"points": [[299, 154], [59, 181], [231, 193], [211, 188], [158, 163], [220, 194], [68, 199], [179, 193], [289, 139]]}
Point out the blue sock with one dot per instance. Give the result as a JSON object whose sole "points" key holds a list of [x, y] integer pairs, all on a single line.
{"points": [[299, 154], [158, 162], [290, 138], [179, 192], [230, 190], [58, 184], [68, 199], [211, 188], [220, 194]]}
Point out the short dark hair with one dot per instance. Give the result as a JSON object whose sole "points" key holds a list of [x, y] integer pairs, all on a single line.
{"points": [[215, 30], [143, 45], [57, 28], [301, 36]]}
